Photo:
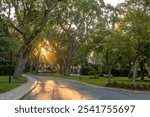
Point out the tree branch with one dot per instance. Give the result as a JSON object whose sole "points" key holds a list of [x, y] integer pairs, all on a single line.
{"points": [[48, 12], [43, 21], [16, 5], [9, 9], [54, 45]]}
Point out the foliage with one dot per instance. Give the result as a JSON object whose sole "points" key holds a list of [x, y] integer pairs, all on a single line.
{"points": [[98, 82], [7, 43], [119, 37], [71, 30], [121, 40], [138, 87]]}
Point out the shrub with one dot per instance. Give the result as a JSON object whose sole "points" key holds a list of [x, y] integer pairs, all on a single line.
{"points": [[137, 86], [109, 84], [94, 77], [101, 75], [88, 70], [118, 85], [4, 69], [120, 72], [122, 85], [114, 84], [148, 87], [132, 86], [129, 86], [145, 87]]}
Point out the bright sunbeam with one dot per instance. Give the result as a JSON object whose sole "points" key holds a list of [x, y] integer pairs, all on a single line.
{"points": [[43, 51]]}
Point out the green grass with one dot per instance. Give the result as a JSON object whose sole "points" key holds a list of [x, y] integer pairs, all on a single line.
{"points": [[5, 86], [98, 82]]}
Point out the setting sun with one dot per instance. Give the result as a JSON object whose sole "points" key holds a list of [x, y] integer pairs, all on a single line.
{"points": [[43, 51]]}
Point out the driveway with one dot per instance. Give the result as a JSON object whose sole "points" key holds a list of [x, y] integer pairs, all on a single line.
{"points": [[63, 89]]}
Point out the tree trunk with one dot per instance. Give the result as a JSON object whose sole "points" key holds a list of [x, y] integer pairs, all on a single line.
{"points": [[20, 63], [31, 67], [148, 70], [109, 75], [67, 70], [130, 74], [135, 65], [67, 65], [148, 73], [142, 67], [37, 63], [36, 66], [61, 67], [68, 59], [20, 66]]}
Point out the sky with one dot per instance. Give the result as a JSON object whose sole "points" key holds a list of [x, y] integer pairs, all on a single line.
{"points": [[113, 2]]}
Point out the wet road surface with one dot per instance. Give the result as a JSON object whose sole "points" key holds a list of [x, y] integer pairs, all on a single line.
{"points": [[63, 89]]}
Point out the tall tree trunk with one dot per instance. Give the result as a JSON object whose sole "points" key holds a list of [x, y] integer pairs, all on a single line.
{"points": [[20, 66], [135, 65], [67, 65], [61, 67], [148, 73], [108, 67], [142, 67], [37, 63], [36, 66], [69, 57], [148, 70], [67, 70], [21, 62], [130, 73], [109, 75], [31, 67]]}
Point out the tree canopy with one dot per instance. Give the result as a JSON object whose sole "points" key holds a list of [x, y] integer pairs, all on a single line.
{"points": [[76, 31]]}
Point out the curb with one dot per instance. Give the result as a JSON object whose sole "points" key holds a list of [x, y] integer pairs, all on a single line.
{"points": [[113, 88], [18, 92]]}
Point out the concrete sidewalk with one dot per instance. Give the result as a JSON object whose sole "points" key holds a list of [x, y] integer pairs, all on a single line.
{"points": [[19, 92]]}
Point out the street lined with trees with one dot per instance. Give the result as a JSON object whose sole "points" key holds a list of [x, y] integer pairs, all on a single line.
{"points": [[58, 34]]}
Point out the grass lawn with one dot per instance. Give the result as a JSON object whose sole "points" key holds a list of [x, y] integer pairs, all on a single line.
{"points": [[98, 82], [6, 86]]}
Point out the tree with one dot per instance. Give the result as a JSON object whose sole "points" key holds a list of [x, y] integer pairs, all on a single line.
{"points": [[29, 18], [106, 39], [7, 43], [74, 22], [136, 17]]}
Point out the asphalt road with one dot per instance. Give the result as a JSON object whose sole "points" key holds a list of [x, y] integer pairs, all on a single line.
{"points": [[62, 89]]}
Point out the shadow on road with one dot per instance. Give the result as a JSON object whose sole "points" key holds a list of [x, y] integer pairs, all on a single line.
{"points": [[50, 90]]}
